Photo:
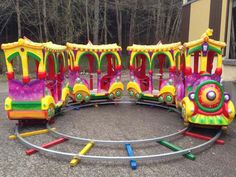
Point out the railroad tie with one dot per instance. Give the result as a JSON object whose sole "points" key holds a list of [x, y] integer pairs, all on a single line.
{"points": [[203, 137], [130, 153], [32, 133], [84, 151], [173, 147], [47, 145]]}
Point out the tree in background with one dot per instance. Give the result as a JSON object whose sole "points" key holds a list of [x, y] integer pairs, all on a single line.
{"points": [[100, 21]]}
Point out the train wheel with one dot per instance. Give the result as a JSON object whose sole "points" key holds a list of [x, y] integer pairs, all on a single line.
{"points": [[78, 97], [138, 96], [86, 98], [169, 99], [161, 99], [51, 111], [117, 93], [132, 92], [111, 96]]}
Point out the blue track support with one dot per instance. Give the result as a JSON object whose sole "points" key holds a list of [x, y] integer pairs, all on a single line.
{"points": [[130, 152]]}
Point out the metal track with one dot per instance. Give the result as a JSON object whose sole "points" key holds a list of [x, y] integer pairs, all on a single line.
{"points": [[97, 157], [93, 157], [118, 141]]}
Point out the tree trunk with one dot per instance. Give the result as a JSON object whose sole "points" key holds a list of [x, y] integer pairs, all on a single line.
{"points": [[168, 21], [45, 20], [132, 23], [87, 19], [69, 23], [105, 21], [18, 18], [39, 21], [96, 22], [158, 21], [119, 22]]}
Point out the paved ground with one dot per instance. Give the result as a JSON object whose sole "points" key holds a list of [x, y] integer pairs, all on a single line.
{"points": [[114, 122]]}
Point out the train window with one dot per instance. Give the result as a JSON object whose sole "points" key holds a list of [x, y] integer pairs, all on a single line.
{"points": [[141, 67], [211, 62], [17, 66], [88, 70], [51, 66], [196, 62], [160, 70], [108, 65], [33, 67], [60, 64]]}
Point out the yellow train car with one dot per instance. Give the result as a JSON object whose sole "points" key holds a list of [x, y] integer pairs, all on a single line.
{"points": [[108, 86], [36, 96], [147, 62]]}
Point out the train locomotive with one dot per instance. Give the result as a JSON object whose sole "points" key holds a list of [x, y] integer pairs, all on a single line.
{"points": [[186, 76], [193, 83]]}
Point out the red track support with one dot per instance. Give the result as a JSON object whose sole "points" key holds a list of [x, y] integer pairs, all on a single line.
{"points": [[202, 137], [47, 145]]}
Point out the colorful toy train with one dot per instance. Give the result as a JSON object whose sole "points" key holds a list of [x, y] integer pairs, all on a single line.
{"points": [[192, 82]]}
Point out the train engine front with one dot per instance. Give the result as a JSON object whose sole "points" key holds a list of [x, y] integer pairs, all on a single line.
{"points": [[205, 102], [208, 104]]}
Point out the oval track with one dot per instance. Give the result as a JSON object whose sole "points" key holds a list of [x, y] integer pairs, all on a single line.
{"points": [[136, 141]]}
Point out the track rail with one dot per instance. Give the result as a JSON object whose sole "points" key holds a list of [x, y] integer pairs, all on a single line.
{"points": [[69, 155], [53, 131], [93, 157]]}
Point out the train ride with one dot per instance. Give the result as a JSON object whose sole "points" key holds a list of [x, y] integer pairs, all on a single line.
{"points": [[197, 92], [38, 96], [108, 86], [186, 76]]}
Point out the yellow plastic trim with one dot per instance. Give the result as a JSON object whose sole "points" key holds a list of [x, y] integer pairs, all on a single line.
{"points": [[133, 85], [65, 92], [203, 65], [188, 61], [116, 85], [8, 104], [232, 113], [167, 88], [148, 95], [189, 106], [100, 94], [46, 101], [219, 61], [80, 87]]}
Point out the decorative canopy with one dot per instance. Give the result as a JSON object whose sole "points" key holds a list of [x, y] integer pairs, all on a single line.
{"points": [[34, 45], [205, 38], [94, 48], [154, 48]]}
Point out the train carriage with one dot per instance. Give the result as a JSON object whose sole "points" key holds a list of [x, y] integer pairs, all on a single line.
{"points": [[84, 89], [206, 102], [145, 57], [37, 96]]}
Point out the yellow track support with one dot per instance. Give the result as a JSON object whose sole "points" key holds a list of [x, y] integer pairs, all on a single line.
{"points": [[76, 159], [27, 134]]}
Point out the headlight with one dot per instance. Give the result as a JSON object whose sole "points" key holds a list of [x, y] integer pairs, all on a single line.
{"points": [[191, 96], [227, 97]]}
